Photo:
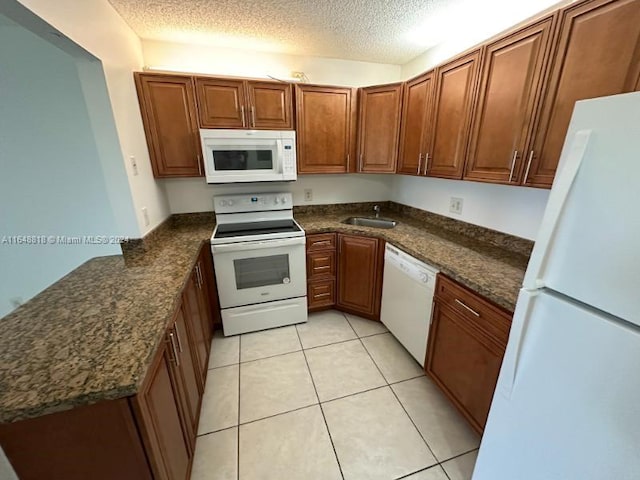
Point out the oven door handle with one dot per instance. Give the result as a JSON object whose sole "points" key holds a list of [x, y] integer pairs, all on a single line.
{"points": [[259, 245]]}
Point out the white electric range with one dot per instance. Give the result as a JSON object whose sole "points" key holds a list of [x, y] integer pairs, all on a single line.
{"points": [[260, 262]]}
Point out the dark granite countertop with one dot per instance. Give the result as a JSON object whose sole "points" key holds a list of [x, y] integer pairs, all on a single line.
{"points": [[92, 335]]}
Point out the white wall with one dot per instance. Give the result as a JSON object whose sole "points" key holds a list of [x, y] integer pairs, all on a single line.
{"points": [[514, 210], [195, 195], [245, 63], [96, 27], [474, 26], [52, 181]]}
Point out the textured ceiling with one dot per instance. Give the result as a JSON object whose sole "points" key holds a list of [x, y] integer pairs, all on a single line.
{"points": [[391, 31]]}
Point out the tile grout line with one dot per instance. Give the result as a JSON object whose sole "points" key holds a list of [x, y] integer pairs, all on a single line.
{"points": [[398, 400], [326, 425], [415, 426], [374, 362]]}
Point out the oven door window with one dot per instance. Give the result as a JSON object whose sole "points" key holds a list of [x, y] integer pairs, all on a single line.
{"points": [[261, 271], [249, 159]]}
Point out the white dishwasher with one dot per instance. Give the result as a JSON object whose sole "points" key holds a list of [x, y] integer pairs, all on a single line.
{"points": [[407, 299]]}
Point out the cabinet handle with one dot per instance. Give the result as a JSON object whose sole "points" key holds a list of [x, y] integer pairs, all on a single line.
{"points": [[323, 242], [244, 123], [322, 268], [253, 116], [200, 281], [348, 160], [199, 165], [513, 164], [526, 173], [175, 351], [462, 304], [320, 295], [360, 164], [419, 163], [426, 162], [175, 328]]}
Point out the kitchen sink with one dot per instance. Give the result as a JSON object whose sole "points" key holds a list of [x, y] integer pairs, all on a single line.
{"points": [[371, 222]]}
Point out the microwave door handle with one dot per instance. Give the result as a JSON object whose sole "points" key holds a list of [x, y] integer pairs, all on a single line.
{"points": [[245, 246]]}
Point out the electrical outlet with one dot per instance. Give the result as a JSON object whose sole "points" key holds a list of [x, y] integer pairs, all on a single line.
{"points": [[308, 195], [134, 165], [455, 205], [145, 216]]}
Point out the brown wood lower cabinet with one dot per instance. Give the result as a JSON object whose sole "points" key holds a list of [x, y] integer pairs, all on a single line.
{"points": [[467, 340], [360, 266], [349, 279], [148, 436], [160, 413], [321, 271]]}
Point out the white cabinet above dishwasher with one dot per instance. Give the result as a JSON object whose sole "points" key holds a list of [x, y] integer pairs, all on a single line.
{"points": [[407, 300]]}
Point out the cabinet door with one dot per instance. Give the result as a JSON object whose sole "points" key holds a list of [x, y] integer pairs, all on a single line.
{"points": [[464, 362], [221, 103], [162, 421], [194, 324], [168, 108], [511, 82], [455, 91], [209, 280], [379, 128], [325, 127], [359, 275], [598, 54], [187, 358], [204, 302], [416, 125], [269, 105]]}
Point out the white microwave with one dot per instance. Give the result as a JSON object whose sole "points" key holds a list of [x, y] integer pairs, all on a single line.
{"points": [[232, 156]]}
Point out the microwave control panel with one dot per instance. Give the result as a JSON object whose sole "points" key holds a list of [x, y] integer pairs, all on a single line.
{"points": [[288, 156]]}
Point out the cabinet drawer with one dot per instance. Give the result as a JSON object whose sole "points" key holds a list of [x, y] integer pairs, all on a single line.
{"points": [[489, 318], [321, 264], [321, 241], [321, 293]]}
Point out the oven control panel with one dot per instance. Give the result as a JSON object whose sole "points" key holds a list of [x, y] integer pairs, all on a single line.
{"points": [[259, 202]]}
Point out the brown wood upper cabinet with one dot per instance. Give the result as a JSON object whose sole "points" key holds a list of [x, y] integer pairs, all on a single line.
{"points": [[597, 54], [168, 107], [415, 132], [453, 104], [250, 104], [379, 128], [360, 264], [325, 128], [512, 71]]}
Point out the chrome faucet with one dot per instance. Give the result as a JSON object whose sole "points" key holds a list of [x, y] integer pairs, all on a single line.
{"points": [[376, 208]]}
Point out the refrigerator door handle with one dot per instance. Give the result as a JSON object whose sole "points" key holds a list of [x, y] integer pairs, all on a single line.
{"points": [[557, 199], [513, 353]]}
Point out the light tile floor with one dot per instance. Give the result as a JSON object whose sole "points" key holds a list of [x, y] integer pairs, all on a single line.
{"points": [[335, 398]]}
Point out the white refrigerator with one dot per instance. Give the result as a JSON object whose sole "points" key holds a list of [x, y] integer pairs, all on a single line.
{"points": [[567, 403]]}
